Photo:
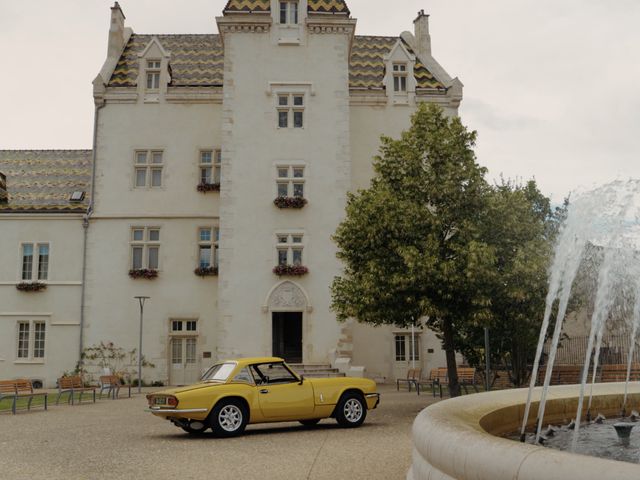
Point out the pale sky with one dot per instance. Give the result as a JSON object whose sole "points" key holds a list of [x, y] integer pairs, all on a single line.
{"points": [[551, 86]]}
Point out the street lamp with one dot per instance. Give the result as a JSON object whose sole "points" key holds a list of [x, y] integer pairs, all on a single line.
{"points": [[141, 301]]}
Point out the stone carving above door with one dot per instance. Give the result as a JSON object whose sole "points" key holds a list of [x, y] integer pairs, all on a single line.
{"points": [[287, 296]]}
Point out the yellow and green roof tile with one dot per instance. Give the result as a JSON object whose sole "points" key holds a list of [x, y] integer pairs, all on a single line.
{"points": [[43, 180]]}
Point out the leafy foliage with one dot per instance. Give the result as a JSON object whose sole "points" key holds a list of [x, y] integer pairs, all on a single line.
{"points": [[431, 239]]}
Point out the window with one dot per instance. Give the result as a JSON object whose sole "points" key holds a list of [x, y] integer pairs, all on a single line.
{"points": [[290, 248], [271, 373], [290, 110], [210, 167], [148, 168], [208, 238], [289, 12], [145, 248], [153, 74], [35, 261], [180, 326], [404, 349], [31, 346], [399, 77], [290, 182]]}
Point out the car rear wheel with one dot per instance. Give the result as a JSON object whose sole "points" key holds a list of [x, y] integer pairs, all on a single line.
{"points": [[351, 410], [310, 423], [228, 418]]}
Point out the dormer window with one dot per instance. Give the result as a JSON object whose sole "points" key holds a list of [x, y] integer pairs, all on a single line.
{"points": [[289, 12], [400, 77], [153, 74]]}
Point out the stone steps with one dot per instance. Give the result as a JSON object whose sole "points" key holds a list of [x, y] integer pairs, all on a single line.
{"points": [[315, 370]]}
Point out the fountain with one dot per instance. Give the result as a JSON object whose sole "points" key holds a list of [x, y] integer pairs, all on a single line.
{"points": [[602, 230]]}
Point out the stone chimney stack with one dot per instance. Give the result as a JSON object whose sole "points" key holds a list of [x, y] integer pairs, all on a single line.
{"points": [[421, 33], [116, 32]]}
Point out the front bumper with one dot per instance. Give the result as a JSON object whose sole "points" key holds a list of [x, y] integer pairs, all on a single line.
{"points": [[372, 399]]}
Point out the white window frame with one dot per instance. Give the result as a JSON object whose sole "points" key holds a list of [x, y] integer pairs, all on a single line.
{"points": [[35, 274], [184, 324], [291, 181], [406, 341], [148, 167], [292, 105], [31, 342], [290, 246], [145, 244], [213, 243], [152, 74], [291, 12], [400, 78], [215, 165]]}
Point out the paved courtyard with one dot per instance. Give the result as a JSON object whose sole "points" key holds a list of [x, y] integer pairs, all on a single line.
{"points": [[117, 439]]}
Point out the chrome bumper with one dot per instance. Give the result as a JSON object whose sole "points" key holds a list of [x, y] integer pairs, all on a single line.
{"points": [[175, 410], [373, 395]]}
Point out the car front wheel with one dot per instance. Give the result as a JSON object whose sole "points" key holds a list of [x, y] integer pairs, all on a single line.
{"points": [[351, 410], [228, 418]]}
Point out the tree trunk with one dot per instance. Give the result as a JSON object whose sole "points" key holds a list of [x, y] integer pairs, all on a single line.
{"points": [[452, 368]]}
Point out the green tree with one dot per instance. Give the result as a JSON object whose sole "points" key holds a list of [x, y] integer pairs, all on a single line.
{"points": [[412, 244], [520, 225]]}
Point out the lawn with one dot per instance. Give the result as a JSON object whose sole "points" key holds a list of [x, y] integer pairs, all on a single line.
{"points": [[38, 401]]}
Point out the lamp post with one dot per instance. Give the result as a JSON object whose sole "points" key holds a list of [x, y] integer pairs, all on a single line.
{"points": [[141, 301]]}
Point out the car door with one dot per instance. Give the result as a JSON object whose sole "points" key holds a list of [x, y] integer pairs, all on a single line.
{"points": [[280, 393]]}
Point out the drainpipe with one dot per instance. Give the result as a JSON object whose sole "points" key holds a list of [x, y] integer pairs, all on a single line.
{"points": [[85, 226]]}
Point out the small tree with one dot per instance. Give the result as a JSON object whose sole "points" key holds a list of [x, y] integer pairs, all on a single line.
{"points": [[412, 244]]}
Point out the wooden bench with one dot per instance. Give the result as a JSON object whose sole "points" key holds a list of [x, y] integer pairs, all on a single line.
{"points": [[562, 375], [618, 373], [413, 377], [431, 382], [112, 384], [71, 385], [20, 388], [439, 377]]}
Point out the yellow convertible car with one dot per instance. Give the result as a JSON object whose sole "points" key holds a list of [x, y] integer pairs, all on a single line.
{"points": [[235, 393]]}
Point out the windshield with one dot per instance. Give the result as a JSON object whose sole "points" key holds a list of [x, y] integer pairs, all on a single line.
{"points": [[219, 373]]}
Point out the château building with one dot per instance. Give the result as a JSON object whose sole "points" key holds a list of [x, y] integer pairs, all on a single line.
{"points": [[219, 170]]}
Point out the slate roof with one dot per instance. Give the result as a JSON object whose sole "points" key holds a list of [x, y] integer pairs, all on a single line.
{"points": [[198, 61], [367, 69], [261, 6], [43, 180]]}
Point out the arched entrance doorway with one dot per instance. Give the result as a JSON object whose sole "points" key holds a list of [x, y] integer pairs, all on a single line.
{"points": [[286, 306]]}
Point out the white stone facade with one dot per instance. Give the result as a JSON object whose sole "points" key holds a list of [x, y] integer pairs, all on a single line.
{"points": [[246, 310]]}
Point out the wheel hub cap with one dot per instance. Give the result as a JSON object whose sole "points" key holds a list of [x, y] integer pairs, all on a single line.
{"points": [[353, 410], [230, 418]]}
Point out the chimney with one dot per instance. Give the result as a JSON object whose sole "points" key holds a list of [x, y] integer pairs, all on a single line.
{"points": [[116, 32], [4, 197], [423, 39]]}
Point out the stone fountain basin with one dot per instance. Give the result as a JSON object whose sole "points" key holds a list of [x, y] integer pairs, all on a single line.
{"points": [[459, 439]]}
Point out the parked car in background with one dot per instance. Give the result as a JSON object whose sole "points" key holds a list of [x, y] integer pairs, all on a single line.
{"points": [[235, 393]]}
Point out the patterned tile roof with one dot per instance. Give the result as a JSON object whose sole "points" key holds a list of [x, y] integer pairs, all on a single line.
{"points": [[367, 69], [196, 60], [313, 6], [43, 180]]}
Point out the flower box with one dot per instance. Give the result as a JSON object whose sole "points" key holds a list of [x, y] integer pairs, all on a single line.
{"points": [[206, 271], [31, 286], [290, 270], [290, 202], [146, 273], [208, 187]]}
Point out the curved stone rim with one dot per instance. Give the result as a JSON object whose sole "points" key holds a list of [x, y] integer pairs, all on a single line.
{"points": [[456, 439]]}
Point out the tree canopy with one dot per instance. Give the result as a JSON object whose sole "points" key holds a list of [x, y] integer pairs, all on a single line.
{"points": [[431, 239]]}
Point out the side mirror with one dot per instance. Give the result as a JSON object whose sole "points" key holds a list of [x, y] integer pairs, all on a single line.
{"points": [[301, 380]]}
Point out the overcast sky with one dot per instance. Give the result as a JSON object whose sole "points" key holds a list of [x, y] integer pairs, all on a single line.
{"points": [[551, 86]]}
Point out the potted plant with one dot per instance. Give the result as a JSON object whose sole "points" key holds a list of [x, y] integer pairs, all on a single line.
{"points": [[31, 286], [290, 270], [290, 202], [146, 273], [206, 271]]}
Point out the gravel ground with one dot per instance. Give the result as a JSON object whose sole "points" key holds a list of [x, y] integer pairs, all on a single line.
{"points": [[118, 440]]}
